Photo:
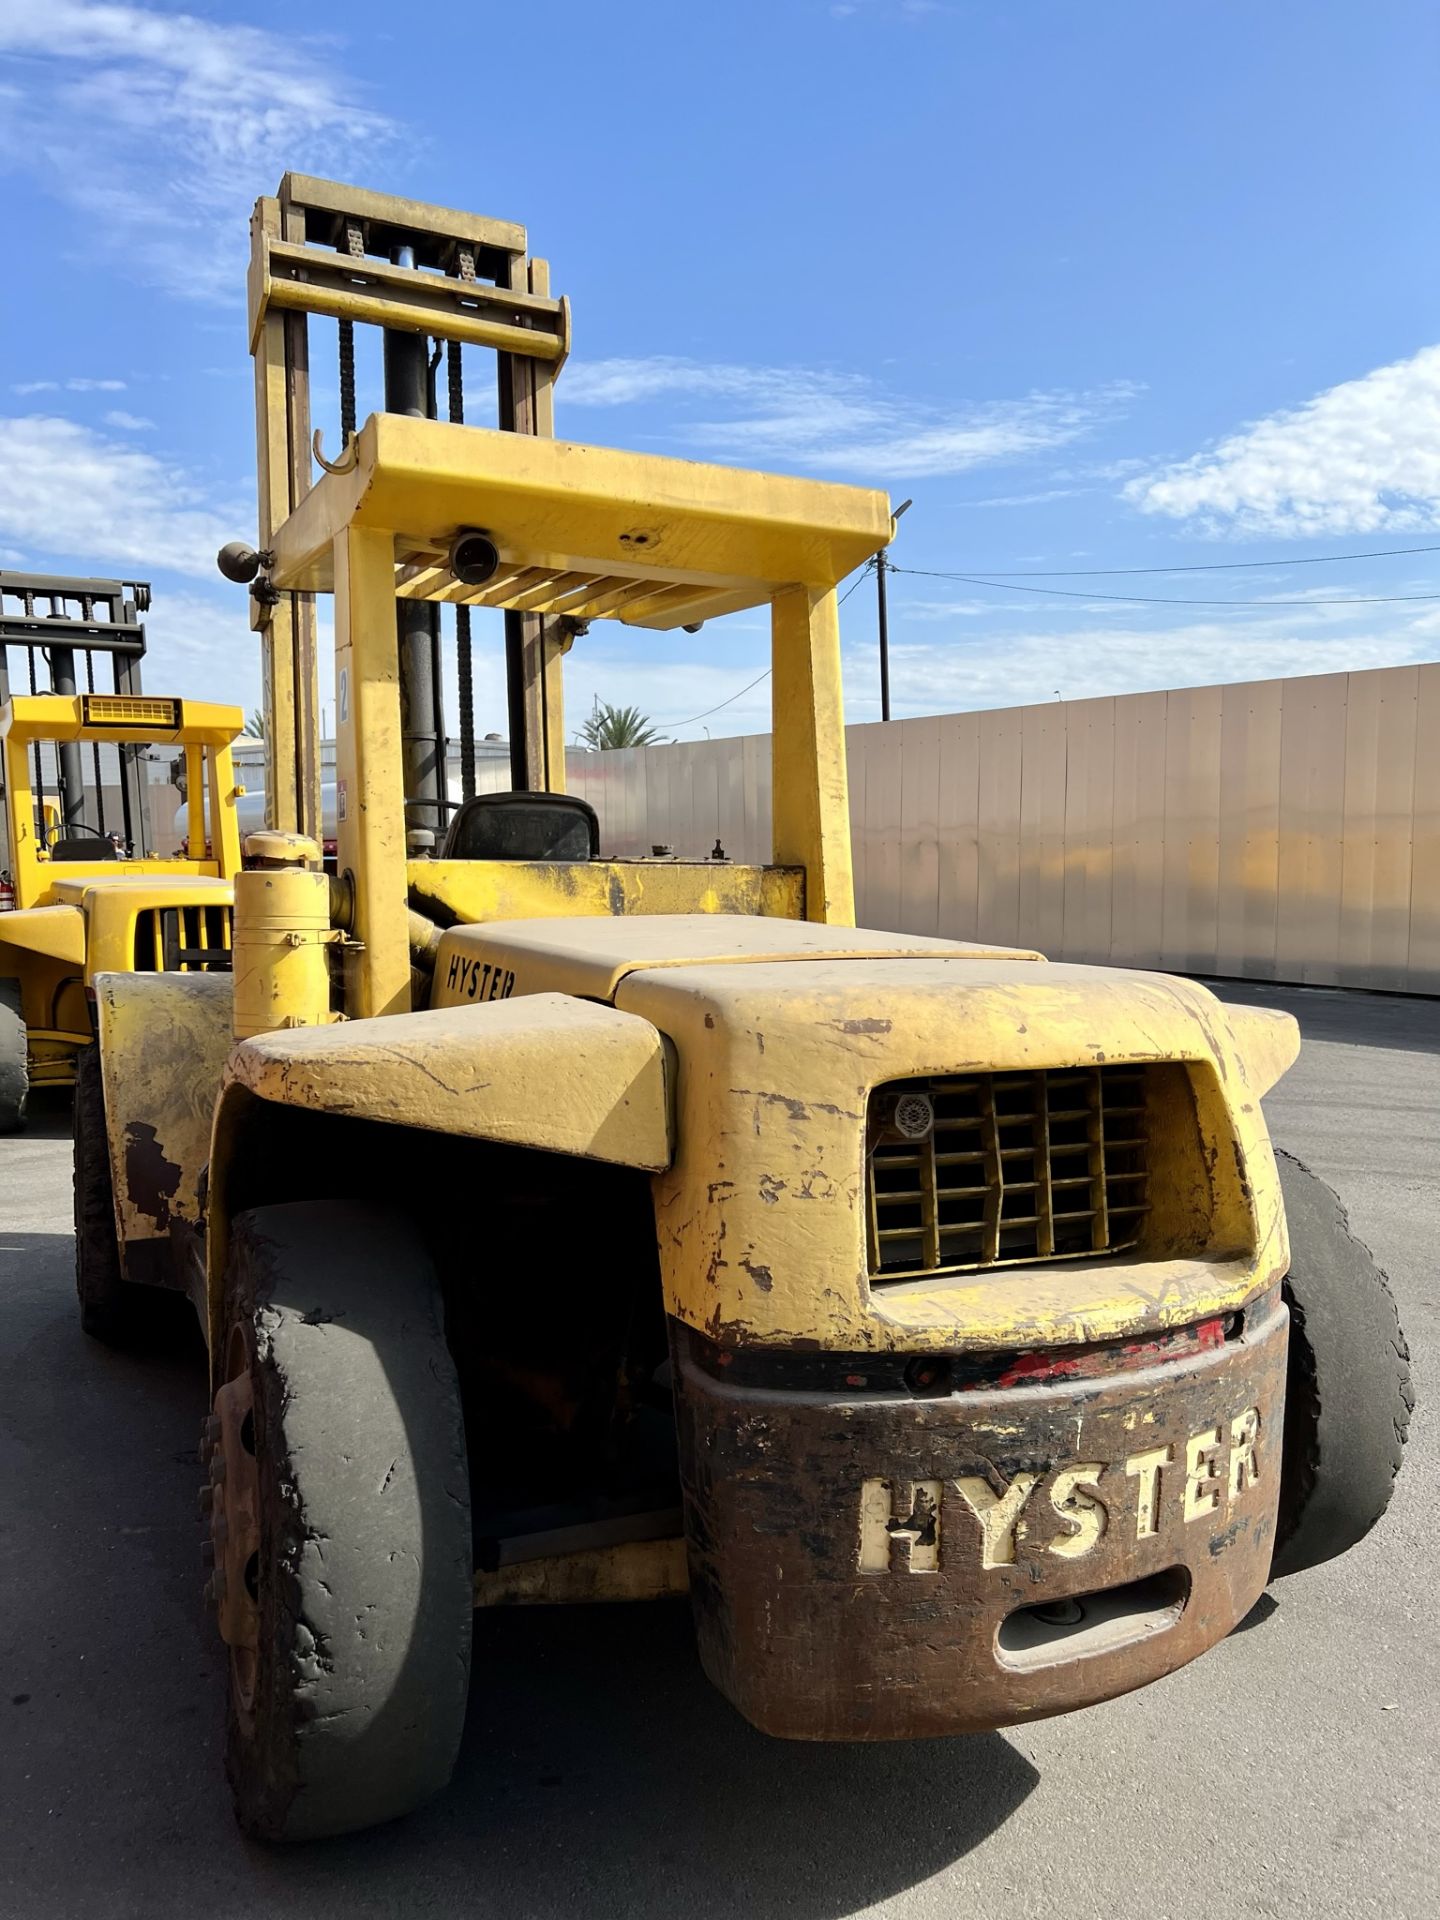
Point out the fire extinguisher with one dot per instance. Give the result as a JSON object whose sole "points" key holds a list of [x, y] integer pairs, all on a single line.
{"points": [[7, 894]]}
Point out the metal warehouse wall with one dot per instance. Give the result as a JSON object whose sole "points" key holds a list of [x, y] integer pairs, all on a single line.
{"points": [[1273, 829]]}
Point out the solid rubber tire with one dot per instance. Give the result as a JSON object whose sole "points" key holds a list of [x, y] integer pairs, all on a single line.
{"points": [[365, 1580], [1348, 1392], [14, 1059], [104, 1298]]}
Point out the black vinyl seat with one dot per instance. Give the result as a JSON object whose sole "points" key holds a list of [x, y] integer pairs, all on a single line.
{"points": [[88, 848], [523, 826]]}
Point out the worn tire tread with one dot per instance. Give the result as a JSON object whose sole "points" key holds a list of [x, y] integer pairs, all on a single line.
{"points": [[103, 1295], [1349, 1393], [14, 1059], [364, 1667]]}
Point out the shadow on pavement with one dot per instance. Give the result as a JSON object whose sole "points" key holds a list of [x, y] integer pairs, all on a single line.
{"points": [[1409, 1023], [1265, 1608], [601, 1774], [47, 1113]]}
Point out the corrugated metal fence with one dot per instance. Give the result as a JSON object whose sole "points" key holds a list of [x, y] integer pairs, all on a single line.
{"points": [[1272, 829]]}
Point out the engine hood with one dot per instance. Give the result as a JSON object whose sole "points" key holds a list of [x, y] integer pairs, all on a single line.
{"points": [[590, 956]]}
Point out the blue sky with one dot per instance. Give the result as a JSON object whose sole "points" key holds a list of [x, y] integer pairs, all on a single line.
{"points": [[1098, 286]]}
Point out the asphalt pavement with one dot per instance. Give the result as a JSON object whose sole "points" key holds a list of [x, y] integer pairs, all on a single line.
{"points": [[1294, 1770]]}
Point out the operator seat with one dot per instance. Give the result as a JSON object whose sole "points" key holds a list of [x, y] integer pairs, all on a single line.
{"points": [[523, 826], [88, 847]]}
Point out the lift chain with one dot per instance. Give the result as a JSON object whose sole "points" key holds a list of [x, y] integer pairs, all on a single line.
{"points": [[347, 383], [355, 247]]}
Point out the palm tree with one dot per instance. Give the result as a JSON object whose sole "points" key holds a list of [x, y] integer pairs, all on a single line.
{"points": [[255, 725], [609, 727]]}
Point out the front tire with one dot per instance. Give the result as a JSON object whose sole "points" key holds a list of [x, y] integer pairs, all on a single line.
{"points": [[345, 1566], [105, 1299], [14, 1059], [1348, 1393]]}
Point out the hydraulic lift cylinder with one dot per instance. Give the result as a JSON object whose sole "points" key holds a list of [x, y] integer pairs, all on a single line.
{"points": [[282, 935], [72, 768]]}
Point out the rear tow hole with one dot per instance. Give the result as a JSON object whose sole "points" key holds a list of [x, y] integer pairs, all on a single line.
{"points": [[1082, 1625]]}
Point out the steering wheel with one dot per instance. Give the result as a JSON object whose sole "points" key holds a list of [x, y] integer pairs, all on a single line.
{"points": [[66, 829]]}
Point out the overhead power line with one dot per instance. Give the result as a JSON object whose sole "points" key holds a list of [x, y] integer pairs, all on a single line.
{"points": [[1198, 566], [1003, 582], [696, 717], [1158, 600], [709, 710]]}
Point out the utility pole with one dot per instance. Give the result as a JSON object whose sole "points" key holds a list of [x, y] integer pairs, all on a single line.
{"points": [[884, 618], [882, 563]]}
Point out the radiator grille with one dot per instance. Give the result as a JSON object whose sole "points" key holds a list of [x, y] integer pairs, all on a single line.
{"points": [[989, 1169], [183, 940]]}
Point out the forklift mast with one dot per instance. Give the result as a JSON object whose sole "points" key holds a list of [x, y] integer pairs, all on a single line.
{"points": [[57, 615], [420, 274]]}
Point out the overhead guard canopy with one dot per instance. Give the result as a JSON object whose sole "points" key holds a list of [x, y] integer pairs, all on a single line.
{"points": [[585, 532], [126, 719]]}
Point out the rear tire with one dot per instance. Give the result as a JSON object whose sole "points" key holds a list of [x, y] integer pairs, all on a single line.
{"points": [[349, 1708], [14, 1059], [105, 1300], [1348, 1393]]}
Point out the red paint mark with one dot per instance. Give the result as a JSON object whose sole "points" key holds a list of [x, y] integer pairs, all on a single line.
{"points": [[1124, 1356]]}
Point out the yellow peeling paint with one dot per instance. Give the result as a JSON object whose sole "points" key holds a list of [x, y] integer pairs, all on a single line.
{"points": [[163, 1039], [476, 892], [591, 955], [282, 938], [761, 1217], [809, 777], [565, 507], [547, 1072], [1268, 1041]]}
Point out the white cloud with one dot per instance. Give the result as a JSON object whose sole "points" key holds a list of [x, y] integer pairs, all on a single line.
{"points": [[68, 493], [127, 422], [1361, 458], [161, 127], [907, 9], [930, 610], [618, 383], [203, 646], [78, 384], [941, 677], [844, 422], [1037, 499]]}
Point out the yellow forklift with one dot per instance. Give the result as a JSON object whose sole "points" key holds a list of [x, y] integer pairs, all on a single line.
{"points": [[574, 1228], [79, 899]]}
